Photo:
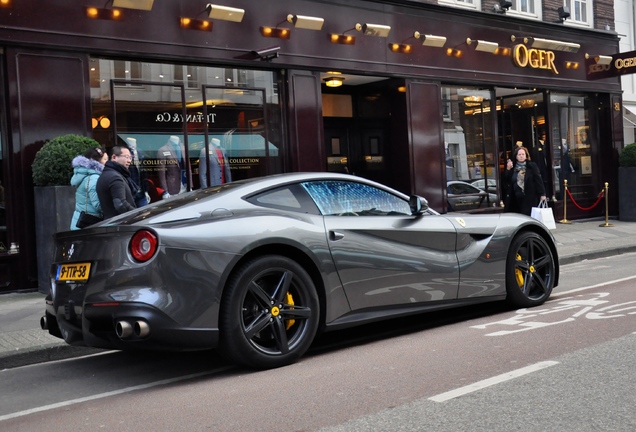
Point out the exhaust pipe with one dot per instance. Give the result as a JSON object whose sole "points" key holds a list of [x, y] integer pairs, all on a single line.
{"points": [[44, 323], [123, 329], [141, 329]]}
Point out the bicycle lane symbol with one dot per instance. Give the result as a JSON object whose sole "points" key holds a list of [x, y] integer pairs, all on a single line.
{"points": [[589, 306]]}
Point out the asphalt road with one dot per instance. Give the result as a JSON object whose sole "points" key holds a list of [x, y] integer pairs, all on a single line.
{"points": [[565, 366]]}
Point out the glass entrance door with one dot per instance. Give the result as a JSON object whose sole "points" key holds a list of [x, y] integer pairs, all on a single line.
{"points": [[522, 122]]}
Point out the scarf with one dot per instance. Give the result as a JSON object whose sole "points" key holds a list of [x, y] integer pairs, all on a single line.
{"points": [[134, 188], [521, 174]]}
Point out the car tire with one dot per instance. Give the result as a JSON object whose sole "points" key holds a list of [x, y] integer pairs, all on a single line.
{"points": [[530, 270], [269, 313]]}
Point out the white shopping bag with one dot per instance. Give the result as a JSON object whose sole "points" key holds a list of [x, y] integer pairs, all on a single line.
{"points": [[544, 214]]}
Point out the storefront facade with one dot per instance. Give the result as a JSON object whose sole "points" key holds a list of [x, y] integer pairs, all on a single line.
{"points": [[413, 112]]}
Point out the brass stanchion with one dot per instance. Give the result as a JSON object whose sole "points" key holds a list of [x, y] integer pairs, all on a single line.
{"points": [[606, 224], [565, 204]]}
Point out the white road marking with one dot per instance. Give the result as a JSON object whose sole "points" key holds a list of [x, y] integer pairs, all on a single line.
{"points": [[111, 393], [443, 397], [557, 295]]}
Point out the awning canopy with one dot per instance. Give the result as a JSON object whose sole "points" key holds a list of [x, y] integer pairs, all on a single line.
{"points": [[630, 108], [629, 115]]}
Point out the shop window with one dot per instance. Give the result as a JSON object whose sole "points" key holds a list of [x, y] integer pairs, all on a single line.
{"points": [[571, 147], [180, 108], [471, 154], [580, 12], [95, 74]]}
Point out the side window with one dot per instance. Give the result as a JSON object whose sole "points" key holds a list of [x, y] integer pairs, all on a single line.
{"points": [[290, 198], [279, 198], [462, 189], [341, 198]]}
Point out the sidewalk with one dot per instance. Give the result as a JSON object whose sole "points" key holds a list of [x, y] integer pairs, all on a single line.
{"points": [[22, 341]]}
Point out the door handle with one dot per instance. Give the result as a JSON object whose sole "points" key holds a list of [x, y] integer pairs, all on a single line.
{"points": [[335, 236]]}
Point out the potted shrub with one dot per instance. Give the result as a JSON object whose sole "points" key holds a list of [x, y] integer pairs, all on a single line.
{"points": [[54, 196], [626, 182]]}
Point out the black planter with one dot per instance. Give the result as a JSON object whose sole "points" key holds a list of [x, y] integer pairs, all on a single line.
{"points": [[627, 194], [54, 206]]}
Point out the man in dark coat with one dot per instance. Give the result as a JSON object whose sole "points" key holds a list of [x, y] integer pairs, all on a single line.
{"points": [[114, 185], [525, 186]]}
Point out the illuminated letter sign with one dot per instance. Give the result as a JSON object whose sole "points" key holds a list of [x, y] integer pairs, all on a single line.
{"points": [[625, 63], [534, 58], [622, 64]]}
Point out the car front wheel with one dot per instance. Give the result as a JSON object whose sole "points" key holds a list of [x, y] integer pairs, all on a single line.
{"points": [[269, 314], [530, 271]]}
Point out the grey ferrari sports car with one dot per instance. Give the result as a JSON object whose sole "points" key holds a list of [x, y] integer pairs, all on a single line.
{"points": [[257, 268]]}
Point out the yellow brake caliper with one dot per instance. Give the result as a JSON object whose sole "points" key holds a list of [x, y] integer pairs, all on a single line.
{"points": [[290, 301], [518, 273]]}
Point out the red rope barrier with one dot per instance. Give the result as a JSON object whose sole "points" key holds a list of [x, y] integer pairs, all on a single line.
{"points": [[600, 197]]}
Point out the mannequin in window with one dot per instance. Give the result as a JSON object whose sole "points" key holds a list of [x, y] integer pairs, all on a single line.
{"points": [[219, 165], [137, 175], [170, 174], [566, 165]]}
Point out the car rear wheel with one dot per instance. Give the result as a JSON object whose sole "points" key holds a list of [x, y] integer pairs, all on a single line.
{"points": [[530, 270], [269, 314]]}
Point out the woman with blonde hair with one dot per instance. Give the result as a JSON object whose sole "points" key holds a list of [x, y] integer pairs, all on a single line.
{"points": [[524, 183]]}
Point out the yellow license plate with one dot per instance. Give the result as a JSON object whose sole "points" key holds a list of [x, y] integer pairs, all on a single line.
{"points": [[77, 272]]}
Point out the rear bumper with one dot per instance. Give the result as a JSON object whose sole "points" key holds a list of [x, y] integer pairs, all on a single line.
{"points": [[95, 326]]}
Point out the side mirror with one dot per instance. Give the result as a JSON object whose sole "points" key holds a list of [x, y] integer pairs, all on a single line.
{"points": [[418, 205]]}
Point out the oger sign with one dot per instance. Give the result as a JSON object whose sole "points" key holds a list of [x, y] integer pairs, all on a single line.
{"points": [[534, 58]]}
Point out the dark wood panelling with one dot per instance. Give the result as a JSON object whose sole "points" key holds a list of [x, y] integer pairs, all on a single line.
{"points": [[398, 154], [426, 138], [49, 94], [306, 151]]}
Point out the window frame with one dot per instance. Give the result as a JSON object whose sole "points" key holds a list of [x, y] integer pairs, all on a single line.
{"points": [[536, 15], [188, 76], [589, 11], [465, 4], [128, 80]]}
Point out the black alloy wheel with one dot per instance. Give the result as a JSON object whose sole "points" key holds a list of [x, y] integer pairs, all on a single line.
{"points": [[269, 313], [530, 270]]}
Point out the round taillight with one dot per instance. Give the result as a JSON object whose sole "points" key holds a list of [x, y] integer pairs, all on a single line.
{"points": [[143, 245]]}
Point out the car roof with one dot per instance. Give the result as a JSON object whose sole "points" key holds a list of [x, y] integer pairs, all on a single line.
{"points": [[186, 203], [258, 183]]}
